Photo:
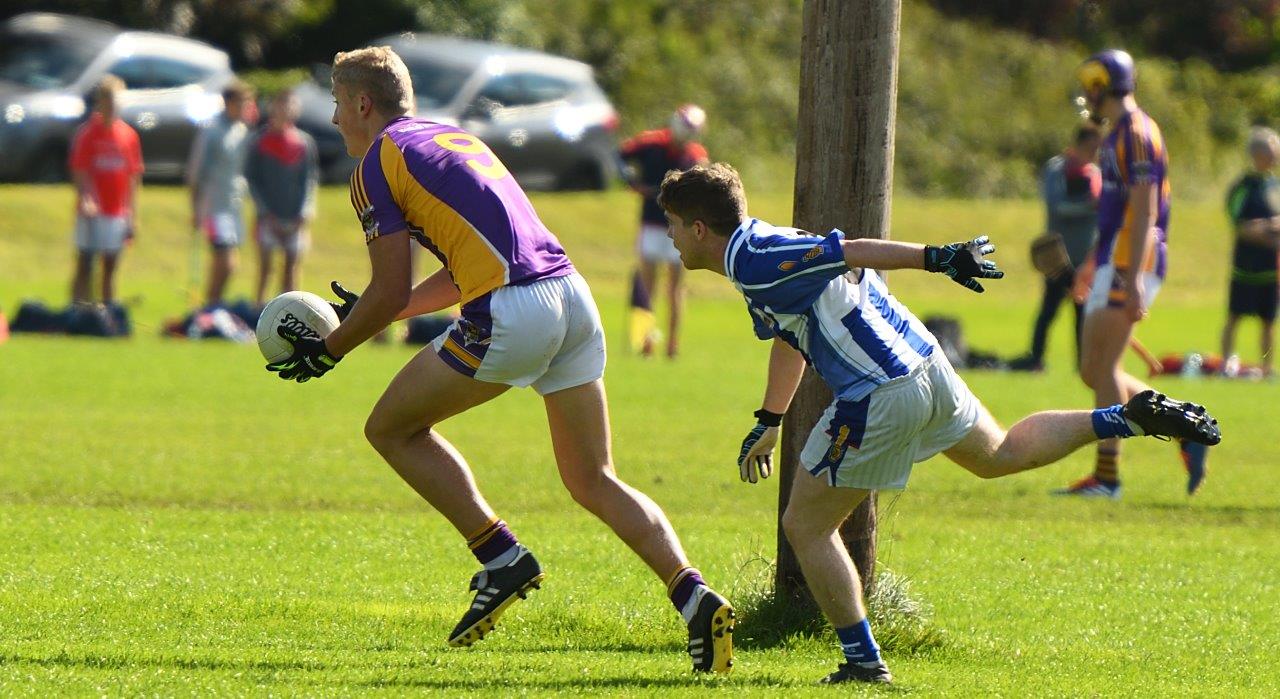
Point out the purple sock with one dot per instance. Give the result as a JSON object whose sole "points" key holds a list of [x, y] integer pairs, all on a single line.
{"points": [[491, 543], [683, 585]]}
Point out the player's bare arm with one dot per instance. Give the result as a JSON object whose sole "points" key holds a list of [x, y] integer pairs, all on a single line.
{"points": [[786, 366], [1142, 204], [86, 203], [384, 298], [962, 262], [1259, 231], [435, 293]]}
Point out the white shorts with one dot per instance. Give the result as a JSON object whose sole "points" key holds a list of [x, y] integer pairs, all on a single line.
{"points": [[546, 335], [224, 229], [288, 236], [104, 234], [1108, 289], [655, 246], [872, 443]]}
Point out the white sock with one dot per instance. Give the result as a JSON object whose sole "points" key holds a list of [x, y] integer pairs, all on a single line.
{"points": [[687, 611]]}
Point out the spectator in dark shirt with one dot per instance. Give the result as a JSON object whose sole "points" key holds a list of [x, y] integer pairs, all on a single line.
{"points": [[1253, 203], [649, 156], [1070, 185]]}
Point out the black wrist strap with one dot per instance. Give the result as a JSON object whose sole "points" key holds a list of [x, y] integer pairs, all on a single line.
{"points": [[768, 419], [931, 253]]}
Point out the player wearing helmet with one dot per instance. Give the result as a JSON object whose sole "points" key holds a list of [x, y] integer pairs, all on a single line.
{"points": [[1131, 253], [651, 154]]}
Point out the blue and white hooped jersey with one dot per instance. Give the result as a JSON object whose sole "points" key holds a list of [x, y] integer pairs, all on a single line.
{"points": [[852, 331]]}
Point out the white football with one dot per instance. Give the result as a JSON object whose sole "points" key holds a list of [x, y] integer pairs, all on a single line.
{"points": [[300, 311]]}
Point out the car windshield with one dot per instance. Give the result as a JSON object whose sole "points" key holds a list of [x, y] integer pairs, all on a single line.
{"points": [[42, 61], [436, 84]]}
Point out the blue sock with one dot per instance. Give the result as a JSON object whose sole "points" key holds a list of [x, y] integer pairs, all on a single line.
{"points": [[1110, 422], [858, 645]]}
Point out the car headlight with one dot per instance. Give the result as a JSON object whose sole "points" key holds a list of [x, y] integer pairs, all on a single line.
{"points": [[202, 107], [63, 107], [569, 124]]}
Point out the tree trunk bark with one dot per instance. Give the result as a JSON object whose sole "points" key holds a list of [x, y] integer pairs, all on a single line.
{"points": [[844, 176]]}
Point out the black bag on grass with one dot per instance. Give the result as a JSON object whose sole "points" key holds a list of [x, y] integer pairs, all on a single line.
{"points": [[35, 317]]}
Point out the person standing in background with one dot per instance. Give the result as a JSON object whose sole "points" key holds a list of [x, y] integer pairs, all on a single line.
{"points": [[1070, 185], [215, 173], [650, 155], [106, 165], [282, 168], [1253, 203]]}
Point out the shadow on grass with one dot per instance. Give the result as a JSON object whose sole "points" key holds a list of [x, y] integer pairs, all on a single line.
{"points": [[769, 619], [116, 662], [629, 681]]}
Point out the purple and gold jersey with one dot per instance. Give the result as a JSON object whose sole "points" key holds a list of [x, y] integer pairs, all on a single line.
{"points": [[1133, 153], [451, 193]]}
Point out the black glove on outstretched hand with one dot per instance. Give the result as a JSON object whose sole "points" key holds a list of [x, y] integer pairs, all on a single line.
{"points": [[310, 358], [963, 262], [349, 299]]}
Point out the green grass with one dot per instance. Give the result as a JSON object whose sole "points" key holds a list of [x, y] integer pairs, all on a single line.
{"points": [[176, 521]]}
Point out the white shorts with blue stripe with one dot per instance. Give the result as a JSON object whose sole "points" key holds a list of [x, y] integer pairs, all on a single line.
{"points": [[872, 444]]}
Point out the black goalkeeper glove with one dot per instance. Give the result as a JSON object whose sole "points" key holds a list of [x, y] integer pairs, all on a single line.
{"points": [[310, 358], [963, 262], [349, 299]]}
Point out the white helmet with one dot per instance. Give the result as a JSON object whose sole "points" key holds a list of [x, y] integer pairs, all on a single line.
{"points": [[687, 122]]}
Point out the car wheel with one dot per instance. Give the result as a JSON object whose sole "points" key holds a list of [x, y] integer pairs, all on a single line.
{"points": [[49, 165], [585, 175]]}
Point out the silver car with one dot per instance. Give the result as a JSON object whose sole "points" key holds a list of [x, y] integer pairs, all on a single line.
{"points": [[49, 65], [544, 116]]}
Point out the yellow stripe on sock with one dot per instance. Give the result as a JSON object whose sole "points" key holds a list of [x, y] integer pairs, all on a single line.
{"points": [[493, 522]]}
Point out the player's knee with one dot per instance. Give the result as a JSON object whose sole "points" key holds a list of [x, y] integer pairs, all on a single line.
{"points": [[590, 490], [380, 433], [801, 528], [987, 469], [1093, 373]]}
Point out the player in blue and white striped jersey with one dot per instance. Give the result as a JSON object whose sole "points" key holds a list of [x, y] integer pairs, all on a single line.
{"points": [[897, 399]]}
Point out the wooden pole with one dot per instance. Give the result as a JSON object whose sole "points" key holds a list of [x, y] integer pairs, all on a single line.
{"points": [[844, 176]]}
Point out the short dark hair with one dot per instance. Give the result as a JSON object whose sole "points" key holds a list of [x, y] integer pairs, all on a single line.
{"points": [[711, 193], [1087, 132], [237, 91]]}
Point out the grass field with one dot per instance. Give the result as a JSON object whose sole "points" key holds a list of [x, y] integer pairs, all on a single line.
{"points": [[177, 521]]}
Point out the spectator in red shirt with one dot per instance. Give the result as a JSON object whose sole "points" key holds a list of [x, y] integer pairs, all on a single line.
{"points": [[649, 156], [106, 163], [283, 168]]}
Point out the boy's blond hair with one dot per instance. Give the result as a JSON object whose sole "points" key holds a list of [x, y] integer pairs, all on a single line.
{"points": [[378, 72], [109, 87]]}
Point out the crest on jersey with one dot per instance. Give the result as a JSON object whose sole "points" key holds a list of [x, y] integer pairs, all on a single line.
{"points": [[808, 257], [370, 224]]}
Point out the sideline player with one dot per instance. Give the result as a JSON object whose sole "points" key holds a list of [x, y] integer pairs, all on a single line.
{"points": [[897, 399], [528, 319], [216, 177], [282, 169], [651, 154], [1070, 185], [1253, 203], [106, 164], [1131, 256]]}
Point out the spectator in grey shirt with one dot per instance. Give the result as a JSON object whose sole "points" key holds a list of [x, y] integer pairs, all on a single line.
{"points": [[1070, 184], [215, 174], [282, 168]]}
